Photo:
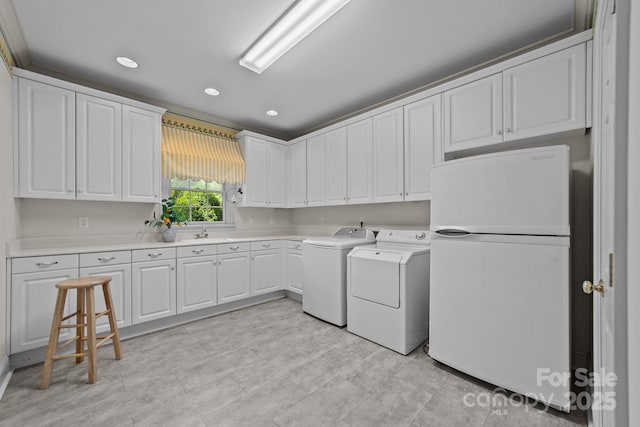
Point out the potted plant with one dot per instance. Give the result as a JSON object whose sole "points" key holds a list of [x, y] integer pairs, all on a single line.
{"points": [[168, 218]]}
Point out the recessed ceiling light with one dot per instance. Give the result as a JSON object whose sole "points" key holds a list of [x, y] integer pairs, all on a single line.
{"points": [[212, 91], [126, 62], [272, 113]]}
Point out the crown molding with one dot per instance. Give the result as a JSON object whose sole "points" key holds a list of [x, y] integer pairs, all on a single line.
{"points": [[13, 35]]}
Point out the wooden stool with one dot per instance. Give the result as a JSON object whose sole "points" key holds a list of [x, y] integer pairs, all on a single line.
{"points": [[85, 317]]}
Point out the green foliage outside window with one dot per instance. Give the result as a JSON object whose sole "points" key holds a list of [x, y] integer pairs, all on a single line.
{"points": [[198, 200]]}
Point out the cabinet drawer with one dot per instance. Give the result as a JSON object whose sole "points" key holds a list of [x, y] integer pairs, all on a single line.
{"points": [[153, 254], [105, 258], [200, 250], [265, 244], [294, 244], [229, 248], [43, 263]]}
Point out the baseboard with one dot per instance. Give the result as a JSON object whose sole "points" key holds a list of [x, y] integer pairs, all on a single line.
{"points": [[292, 295], [5, 374]]}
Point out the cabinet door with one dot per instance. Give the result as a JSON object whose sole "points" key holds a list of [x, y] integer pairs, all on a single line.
{"points": [[120, 293], [98, 148], [315, 171], [298, 177], [422, 146], [276, 175], [140, 155], [256, 157], [46, 141], [265, 271], [388, 157], [360, 162], [473, 114], [33, 299], [294, 271], [197, 283], [153, 290], [234, 277], [546, 95], [335, 166]]}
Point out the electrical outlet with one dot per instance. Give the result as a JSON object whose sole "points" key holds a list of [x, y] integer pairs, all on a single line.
{"points": [[83, 222], [272, 221]]}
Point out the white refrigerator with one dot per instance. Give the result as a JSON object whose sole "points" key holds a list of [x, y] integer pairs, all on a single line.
{"points": [[499, 307]]}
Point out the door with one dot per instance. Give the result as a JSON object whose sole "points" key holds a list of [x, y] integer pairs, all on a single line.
{"points": [[298, 178], [388, 157], [265, 271], [315, 171], [140, 155], [473, 114], [422, 146], [294, 270], [546, 95], [234, 277], [120, 294], [360, 162], [98, 148], [256, 155], [46, 141], [604, 145], [335, 151], [153, 293], [33, 299], [277, 172], [197, 283]]}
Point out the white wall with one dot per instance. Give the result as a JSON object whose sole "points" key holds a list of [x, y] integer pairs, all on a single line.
{"points": [[7, 204]]}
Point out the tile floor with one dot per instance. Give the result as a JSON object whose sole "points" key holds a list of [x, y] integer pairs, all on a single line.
{"points": [[267, 365]]}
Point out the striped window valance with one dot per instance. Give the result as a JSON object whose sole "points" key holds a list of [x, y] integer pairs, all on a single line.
{"points": [[199, 151]]}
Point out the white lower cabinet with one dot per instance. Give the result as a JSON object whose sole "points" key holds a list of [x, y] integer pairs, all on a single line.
{"points": [[153, 290], [265, 271], [293, 267], [234, 276], [120, 293], [197, 283]]}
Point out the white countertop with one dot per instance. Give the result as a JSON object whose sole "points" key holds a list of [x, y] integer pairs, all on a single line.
{"points": [[16, 250]]}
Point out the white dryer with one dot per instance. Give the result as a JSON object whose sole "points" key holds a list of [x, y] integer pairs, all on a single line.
{"points": [[324, 269], [388, 290]]}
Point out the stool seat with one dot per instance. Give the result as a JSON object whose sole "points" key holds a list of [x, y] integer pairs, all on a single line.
{"points": [[83, 282], [85, 325]]}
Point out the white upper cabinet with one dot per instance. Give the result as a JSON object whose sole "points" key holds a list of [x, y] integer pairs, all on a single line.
{"points": [[256, 160], [335, 155], [298, 175], [98, 148], [46, 141], [473, 114], [316, 171], [546, 95], [277, 173], [388, 157], [141, 155], [422, 146], [73, 142], [360, 162]]}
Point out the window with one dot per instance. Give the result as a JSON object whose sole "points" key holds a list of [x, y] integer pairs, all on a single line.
{"points": [[199, 201]]}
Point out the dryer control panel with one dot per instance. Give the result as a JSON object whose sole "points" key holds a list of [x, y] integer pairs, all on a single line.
{"points": [[407, 237]]}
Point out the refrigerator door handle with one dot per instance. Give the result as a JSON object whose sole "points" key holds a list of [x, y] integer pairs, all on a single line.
{"points": [[453, 232]]}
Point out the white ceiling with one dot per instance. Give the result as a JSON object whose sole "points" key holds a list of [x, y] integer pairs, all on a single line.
{"points": [[370, 51]]}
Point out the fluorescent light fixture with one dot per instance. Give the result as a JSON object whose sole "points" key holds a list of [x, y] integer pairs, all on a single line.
{"points": [[272, 113], [212, 91], [126, 62], [292, 27]]}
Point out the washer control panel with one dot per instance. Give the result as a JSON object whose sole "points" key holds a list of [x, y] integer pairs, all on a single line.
{"points": [[408, 237]]}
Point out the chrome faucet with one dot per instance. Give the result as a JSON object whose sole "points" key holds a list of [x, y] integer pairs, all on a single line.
{"points": [[203, 234]]}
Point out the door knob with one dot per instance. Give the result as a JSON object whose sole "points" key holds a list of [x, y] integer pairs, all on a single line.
{"points": [[588, 287]]}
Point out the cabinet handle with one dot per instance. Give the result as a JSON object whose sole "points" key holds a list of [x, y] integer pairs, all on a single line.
{"points": [[111, 258], [197, 251], [401, 194], [266, 245], [406, 194], [234, 248], [155, 255], [253, 258], [297, 246], [46, 264], [69, 191], [499, 132], [508, 130]]}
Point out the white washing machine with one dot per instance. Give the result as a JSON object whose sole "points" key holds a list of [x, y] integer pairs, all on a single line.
{"points": [[324, 264], [388, 290]]}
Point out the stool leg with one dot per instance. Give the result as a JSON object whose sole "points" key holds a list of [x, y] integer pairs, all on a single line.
{"points": [[113, 324], [91, 334], [54, 335], [80, 321]]}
